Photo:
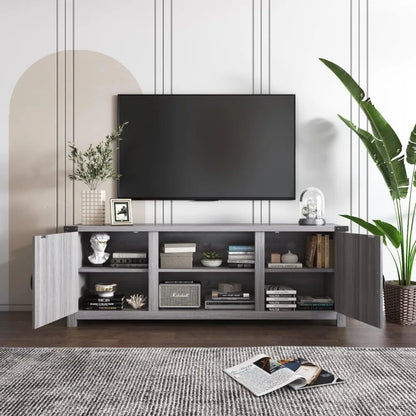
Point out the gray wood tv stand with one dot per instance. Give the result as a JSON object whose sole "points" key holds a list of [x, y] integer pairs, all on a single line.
{"points": [[62, 272]]}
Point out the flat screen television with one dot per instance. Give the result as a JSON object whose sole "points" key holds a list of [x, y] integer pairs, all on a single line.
{"points": [[207, 147]]}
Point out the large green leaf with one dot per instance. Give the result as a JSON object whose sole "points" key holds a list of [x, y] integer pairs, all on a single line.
{"points": [[411, 148], [381, 129], [367, 225], [392, 233], [393, 171], [354, 89]]}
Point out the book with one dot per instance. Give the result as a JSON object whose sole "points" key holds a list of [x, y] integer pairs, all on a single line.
{"points": [[279, 290], [326, 262], [315, 299], [103, 308], [217, 294], [128, 260], [119, 303], [99, 299], [129, 255], [262, 374], [241, 265], [241, 306], [280, 298], [239, 253], [281, 306], [129, 265], [319, 244], [213, 301], [317, 307], [311, 241], [241, 248], [284, 265], [179, 247], [231, 256], [246, 261]]}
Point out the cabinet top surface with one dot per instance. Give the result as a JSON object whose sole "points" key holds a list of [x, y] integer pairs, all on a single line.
{"points": [[208, 227]]}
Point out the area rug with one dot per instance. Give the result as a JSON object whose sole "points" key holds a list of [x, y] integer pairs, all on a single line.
{"points": [[190, 381]]}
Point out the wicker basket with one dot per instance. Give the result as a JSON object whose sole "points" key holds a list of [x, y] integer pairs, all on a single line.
{"points": [[400, 303]]}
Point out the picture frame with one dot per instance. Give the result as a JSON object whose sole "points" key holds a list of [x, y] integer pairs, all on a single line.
{"points": [[121, 213]]}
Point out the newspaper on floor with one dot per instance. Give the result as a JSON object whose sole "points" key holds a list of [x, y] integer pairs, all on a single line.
{"points": [[262, 374]]}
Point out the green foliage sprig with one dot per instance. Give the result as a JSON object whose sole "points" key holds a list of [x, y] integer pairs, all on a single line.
{"points": [[95, 165], [211, 255], [385, 148]]}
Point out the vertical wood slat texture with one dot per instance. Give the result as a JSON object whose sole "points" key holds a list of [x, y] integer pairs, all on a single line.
{"points": [[153, 264], [259, 270], [358, 285], [55, 277]]}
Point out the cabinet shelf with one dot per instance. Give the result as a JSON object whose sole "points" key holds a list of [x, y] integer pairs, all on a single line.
{"points": [[174, 314], [208, 270], [112, 270], [299, 270]]}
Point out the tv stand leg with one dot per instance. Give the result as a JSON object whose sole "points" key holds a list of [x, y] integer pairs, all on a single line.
{"points": [[341, 320], [71, 321]]}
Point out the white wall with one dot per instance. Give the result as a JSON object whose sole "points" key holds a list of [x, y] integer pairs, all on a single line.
{"points": [[223, 46]]}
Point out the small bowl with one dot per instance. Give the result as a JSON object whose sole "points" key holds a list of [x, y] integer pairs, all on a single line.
{"points": [[211, 262], [106, 290]]}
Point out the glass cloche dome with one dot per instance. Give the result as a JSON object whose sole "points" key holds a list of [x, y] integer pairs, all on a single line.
{"points": [[312, 206]]}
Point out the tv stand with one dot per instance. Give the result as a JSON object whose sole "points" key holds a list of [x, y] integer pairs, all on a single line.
{"points": [[62, 272]]}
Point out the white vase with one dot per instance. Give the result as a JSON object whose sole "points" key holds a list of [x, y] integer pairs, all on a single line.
{"points": [[93, 207], [289, 257]]}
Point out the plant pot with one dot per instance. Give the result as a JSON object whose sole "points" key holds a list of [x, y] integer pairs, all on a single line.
{"points": [[400, 303], [211, 262], [92, 207]]}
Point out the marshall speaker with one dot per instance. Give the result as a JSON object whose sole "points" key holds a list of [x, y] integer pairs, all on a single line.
{"points": [[179, 295]]}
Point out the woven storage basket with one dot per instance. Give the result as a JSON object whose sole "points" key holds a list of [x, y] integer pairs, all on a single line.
{"points": [[400, 303]]}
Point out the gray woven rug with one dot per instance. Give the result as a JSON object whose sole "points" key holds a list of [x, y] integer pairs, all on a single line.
{"points": [[190, 381]]}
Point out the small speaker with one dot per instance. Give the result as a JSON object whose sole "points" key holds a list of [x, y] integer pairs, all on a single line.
{"points": [[179, 295]]}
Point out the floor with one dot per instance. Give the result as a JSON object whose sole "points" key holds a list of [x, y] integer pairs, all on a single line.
{"points": [[16, 331]]}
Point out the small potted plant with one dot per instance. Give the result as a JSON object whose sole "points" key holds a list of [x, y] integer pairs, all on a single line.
{"points": [[92, 167], [211, 259]]}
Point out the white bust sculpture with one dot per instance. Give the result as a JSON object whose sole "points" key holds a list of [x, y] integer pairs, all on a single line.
{"points": [[98, 244]]}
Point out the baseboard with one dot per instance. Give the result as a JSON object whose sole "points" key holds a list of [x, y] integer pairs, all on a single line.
{"points": [[15, 308]]}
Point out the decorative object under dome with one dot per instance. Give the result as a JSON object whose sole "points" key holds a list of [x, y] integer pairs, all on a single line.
{"points": [[312, 206], [92, 167]]}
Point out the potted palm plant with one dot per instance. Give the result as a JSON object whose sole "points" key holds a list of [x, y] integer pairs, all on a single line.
{"points": [[92, 167], [385, 148]]}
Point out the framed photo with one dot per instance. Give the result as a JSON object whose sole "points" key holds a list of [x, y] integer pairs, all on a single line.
{"points": [[121, 211]]}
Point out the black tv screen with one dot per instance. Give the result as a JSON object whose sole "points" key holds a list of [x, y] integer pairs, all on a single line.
{"points": [[207, 147]]}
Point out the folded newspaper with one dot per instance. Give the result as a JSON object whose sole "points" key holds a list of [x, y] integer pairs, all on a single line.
{"points": [[262, 374]]}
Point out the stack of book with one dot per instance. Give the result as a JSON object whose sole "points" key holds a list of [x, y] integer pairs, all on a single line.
{"points": [[129, 259], [96, 303], [177, 255], [280, 298], [229, 300], [319, 251], [241, 256], [315, 303]]}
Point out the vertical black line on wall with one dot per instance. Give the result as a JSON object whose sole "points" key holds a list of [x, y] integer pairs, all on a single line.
{"points": [[56, 117], [252, 46], [368, 94], [350, 133], [65, 85], [154, 44], [171, 78], [358, 109], [270, 53], [73, 107]]}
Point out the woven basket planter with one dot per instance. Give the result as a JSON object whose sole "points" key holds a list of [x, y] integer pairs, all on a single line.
{"points": [[400, 303]]}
